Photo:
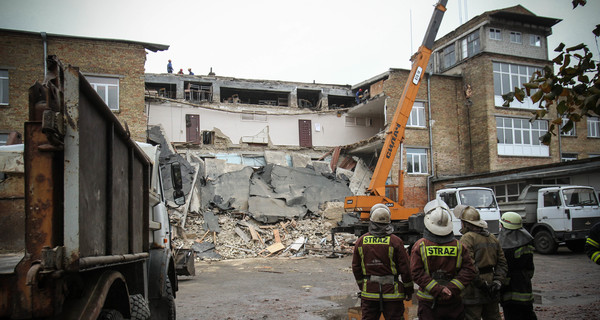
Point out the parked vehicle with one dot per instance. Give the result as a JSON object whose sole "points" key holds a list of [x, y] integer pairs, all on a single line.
{"points": [[95, 231], [556, 214], [483, 199]]}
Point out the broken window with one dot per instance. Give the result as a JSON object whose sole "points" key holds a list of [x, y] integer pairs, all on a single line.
{"points": [[260, 97], [340, 102], [164, 90], [108, 90], [309, 98], [197, 92], [208, 137], [470, 45]]}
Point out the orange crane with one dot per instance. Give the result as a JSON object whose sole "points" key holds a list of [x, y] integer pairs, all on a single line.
{"points": [[376, 193]]}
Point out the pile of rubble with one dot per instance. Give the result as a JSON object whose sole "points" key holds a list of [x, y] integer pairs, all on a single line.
{"points": [[234, 236]]}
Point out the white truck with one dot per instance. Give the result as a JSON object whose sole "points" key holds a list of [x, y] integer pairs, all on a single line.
{"points": [[556, 214], [483, 199]]}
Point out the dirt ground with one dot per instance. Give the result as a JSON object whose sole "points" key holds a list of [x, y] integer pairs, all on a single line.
{"points": [[566, 287]]}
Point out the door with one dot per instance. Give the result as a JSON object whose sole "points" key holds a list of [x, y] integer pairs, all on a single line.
{"points": [[192, 130], [305, 133]]}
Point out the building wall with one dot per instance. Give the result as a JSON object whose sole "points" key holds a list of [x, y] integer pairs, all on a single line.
{"points": [[505, 46], [22, 54], [283, 126]]}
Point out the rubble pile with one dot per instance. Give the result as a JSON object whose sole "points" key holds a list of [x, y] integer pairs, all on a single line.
{"points": [[237, 236]]}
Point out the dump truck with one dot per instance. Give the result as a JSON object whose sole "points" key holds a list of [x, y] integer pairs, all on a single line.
{"points": [[406, 221], [89, 231], [556, 214], [482, 199]]}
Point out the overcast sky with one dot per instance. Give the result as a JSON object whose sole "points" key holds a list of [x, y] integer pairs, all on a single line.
{"points": [[327, 41]]}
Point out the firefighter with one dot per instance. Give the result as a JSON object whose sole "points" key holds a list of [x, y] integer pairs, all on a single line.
{"points": [[441, 266], [592, 244], [517, 293], [482, 296], [378, 262]]}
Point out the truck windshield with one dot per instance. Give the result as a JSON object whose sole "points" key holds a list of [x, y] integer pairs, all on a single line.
{"points": [[580, 197], [478, 198]]}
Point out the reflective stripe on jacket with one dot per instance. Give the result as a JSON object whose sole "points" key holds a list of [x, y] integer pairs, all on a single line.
{"points": [[592, 244], [520, 271], [378, 262], [435, 266]]}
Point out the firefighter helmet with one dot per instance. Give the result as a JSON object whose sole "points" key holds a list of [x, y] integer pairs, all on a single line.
{"points": [[380, 213], [471, 215], [437, 218], [511, 220]]}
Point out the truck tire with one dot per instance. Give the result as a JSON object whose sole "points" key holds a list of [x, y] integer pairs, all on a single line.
{"points": [[544, 242], [576, 246], [110, 314], [164, 308], [140, 310]]}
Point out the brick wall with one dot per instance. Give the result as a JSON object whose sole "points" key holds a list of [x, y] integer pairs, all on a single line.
{"points": [[22, 54]]}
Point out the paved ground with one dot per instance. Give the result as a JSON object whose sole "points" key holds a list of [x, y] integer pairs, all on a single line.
{"points": [[567, 286]]}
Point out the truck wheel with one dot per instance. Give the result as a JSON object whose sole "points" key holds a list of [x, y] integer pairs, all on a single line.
{"points": [[140, 310], [164, 308], [544, 242], [577, 246], [110, 314]]}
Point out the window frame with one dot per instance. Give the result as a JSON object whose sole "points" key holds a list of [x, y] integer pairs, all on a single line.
{"points": [[470, 45], [593, 127], [448, 53], [96, 82], [520, 137], [570, 133], [504, 75], [4, 96], [416, 155], [535, 40], [495, 34], [518, 37], [418, 112], [566, 156], [253, 116]]}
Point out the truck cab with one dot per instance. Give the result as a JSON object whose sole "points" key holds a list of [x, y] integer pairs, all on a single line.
{"points": [[483, 199]]}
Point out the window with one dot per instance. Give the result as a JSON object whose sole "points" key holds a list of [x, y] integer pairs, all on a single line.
{"points": [[3, 87], [3, 139], [515, 37], [593, 126], [519, 137], [470, 45], [357, 122], [108, 90], [564, 180], [570, 133], [495, 34], [507, 76], [417, 115], [262, 117], [508, 192], [416, 160], [449, 56], [564, 157], [535, 41]]}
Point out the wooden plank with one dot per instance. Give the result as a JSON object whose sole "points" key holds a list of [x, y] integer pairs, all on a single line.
{"points": [[275, 247], [276, 235], [253, 233]]}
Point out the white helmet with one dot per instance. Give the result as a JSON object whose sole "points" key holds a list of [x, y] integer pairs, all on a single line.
{"points": [[511, 221], [380, 213], [437, 217]]}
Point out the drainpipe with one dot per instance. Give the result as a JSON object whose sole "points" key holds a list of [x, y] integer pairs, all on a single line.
{"points": [[430, 136], [45, 43]]}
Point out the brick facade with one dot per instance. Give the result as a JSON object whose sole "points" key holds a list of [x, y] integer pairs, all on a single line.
{"points": [[22, 55]]}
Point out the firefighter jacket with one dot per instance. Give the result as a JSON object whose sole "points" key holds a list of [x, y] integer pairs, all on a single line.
{"points": [[490, 263], [592, 244], [377, 263], [520, 271], [435, 266]]}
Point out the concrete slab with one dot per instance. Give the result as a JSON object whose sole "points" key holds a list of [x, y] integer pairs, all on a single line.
{"points": [[301, 160], [269, 210], [361, 179], [344, 174], [276, 157], [322, 167], [232, 188]]}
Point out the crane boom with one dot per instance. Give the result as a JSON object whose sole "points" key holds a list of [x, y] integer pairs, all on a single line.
{"points": [[395, 134]]}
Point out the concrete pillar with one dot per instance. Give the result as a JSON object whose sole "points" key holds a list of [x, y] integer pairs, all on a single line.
{"points": [[324, 101], [180, 93], [293, 99], [216, 92]]}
